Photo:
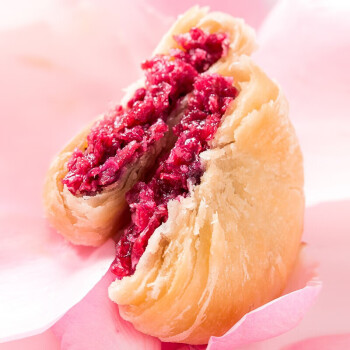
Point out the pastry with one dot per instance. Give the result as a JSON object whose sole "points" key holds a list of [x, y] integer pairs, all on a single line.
{"points": [[215, 201], [84, 192]]}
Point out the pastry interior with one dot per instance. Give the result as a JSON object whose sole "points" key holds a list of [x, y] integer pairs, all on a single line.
{"points": [[177, 170], [126, 133]]}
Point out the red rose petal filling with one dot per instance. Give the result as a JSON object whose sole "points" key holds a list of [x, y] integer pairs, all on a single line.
{"points": [[124, 134], [177, 171]]}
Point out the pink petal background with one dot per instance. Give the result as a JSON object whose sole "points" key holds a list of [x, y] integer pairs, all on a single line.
{"points": [[98, 315], [52, 85], [305, 45], [37, 289], [64, 66]]}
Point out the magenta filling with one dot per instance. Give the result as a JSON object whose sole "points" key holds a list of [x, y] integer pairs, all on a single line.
{"points": [[176, 172], [125, 134]]}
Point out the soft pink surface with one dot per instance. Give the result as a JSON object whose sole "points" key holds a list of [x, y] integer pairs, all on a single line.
{"points": [[59, 73], [327, 342], [95, 324], [37, 289], [56, 75]]}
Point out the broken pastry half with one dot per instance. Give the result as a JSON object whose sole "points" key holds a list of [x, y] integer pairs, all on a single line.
{"points": [[200, 173], [84, 192]]}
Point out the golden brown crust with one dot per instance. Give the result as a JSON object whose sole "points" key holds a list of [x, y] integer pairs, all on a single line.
{"points": [[90, 220], [231, 245]]}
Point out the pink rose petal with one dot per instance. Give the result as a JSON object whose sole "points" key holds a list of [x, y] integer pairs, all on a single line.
{"points": [[327, 228], [37, 289], [95, 324], [279, 315], [108, 330], [270, 320]]}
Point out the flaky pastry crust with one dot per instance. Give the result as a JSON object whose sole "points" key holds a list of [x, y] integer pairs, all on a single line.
{"points": [[230, 246], [91, 220]]}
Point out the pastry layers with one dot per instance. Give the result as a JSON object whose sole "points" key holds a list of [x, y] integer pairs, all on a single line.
{"points": [[230, 246], [91, 219]]}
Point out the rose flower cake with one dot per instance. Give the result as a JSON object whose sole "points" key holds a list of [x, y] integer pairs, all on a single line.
{"points": [[198, 176]]}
